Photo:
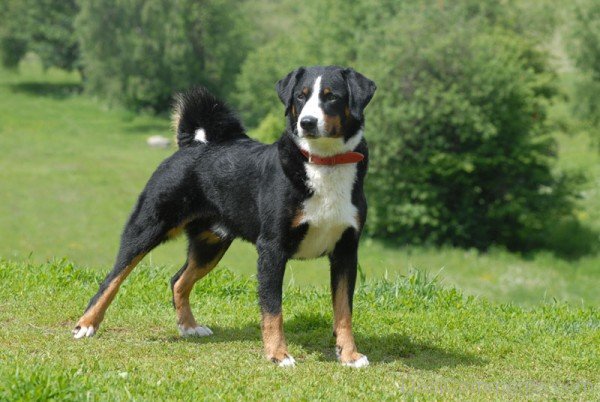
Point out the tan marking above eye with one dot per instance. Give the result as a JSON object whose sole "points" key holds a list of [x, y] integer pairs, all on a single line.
{"points": [[326, 91], [305, 91]]}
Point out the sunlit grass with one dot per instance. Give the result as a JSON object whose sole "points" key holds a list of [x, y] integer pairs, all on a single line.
{"points": [[424, 340]]}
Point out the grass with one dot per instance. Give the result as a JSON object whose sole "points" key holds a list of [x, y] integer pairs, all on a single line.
{"points": [[424, 341]]}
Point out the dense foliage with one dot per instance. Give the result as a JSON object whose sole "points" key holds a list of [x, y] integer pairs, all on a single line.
{"points": [[44, 27], [140, 52], [459, 151]]}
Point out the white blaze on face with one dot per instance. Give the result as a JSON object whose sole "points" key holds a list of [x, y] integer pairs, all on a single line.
{"points": [[322, 145], [312, 108]]}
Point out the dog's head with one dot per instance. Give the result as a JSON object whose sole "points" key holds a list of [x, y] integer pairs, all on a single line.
{"points": [[324, 106]]}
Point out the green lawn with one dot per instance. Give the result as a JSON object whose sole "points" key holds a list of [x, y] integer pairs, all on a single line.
{"points": [[424, 342]]}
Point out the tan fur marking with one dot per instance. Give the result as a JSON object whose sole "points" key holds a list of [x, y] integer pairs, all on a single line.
{"points": [[326, 91], [297, 220], [176, 231], [95, 315], [209, 237], [184, 285], [333, 125], [347, 111], [273, 338], [173, 233], [305, 90], [342, 326], [294, 111]]}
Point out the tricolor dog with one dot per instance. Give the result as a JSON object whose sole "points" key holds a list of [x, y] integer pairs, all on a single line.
{"points": [[301, 197]]}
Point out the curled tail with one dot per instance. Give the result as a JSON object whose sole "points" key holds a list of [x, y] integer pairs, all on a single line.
{"points": [[199, 118]]}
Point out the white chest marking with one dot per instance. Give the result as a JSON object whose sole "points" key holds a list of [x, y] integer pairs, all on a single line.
{"points": [[329, 211]]}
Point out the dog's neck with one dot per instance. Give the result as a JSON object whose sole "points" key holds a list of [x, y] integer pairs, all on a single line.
{"points": [[293, 161], [324, 147]]}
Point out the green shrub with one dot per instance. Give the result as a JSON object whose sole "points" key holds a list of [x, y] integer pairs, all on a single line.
{"points": [[12, 50], [459, 149], [44, 27], [139, 52]]}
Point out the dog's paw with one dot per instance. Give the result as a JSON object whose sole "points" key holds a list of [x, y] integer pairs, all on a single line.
{"points": [[195, 331], [82, 331], [362, 361], [287, 361], [351, 359]]}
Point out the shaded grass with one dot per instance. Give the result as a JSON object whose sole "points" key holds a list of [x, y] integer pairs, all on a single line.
{"points": [[58, 90], [424, 341]]}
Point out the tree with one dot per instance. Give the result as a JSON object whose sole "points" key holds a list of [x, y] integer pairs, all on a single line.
{"points": [[44, 27], [139, 52], [460, 152]]}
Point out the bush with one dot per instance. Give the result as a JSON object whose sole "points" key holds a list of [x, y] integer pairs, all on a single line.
{"points": [[44, 27], [459, 147], [139, 52]]}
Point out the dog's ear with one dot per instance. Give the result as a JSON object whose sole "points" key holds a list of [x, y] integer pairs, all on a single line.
{"points": [[285, 87], [360, 91]]}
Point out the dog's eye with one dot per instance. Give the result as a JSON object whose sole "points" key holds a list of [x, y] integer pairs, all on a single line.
{"points": [[301, 96], [330, 97]]}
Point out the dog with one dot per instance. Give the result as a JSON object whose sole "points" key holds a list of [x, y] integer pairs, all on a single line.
{"points": [[299, 198]]}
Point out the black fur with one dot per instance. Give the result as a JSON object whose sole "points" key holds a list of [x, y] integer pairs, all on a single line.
{"points": [[235, 187], [198, 108]]}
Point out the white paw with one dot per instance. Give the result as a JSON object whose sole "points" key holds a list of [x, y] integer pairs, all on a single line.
{"points": [[81, 332], [287, 362], [358, 363], [197, 331]]}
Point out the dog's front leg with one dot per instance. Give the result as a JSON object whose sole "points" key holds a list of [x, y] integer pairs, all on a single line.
{"points": [[271, 268], [344, 262]]}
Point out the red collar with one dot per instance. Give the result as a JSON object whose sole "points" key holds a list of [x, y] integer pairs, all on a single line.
{"points": [[339, 159]]}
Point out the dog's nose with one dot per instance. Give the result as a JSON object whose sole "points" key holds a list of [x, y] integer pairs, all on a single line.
{"points": [[308, 123]]}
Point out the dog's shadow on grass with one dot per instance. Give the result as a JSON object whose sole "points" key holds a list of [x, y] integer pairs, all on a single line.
{"points": [[312, 334]]}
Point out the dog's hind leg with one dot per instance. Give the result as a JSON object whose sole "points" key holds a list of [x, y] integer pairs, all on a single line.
{"points": [[204, 253], [143, 232]]}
